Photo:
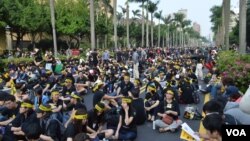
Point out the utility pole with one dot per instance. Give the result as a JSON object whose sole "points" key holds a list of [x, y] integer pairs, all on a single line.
{"points": [[52, 14]]}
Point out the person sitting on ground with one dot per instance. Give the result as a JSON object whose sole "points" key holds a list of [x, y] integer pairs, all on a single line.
{"points": [[212, 123], [216, 107], [125, 86], [169, 107], [50, 125], [32, 131], [82, 137], [126, 129], [78, 124], [96, 121], [26, 115], [151, 102], [138, 104]]}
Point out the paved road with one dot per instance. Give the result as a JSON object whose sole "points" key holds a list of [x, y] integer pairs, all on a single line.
{"points": [[146, 133]]}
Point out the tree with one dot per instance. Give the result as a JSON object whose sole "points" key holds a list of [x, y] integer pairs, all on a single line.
{"points": [[136, 13], [143, 18], [115, 22], [216, 18], [243, 20], [152, 7], [71, 20], [248, 23], [24, 16], [158, 15], [108, 10]]}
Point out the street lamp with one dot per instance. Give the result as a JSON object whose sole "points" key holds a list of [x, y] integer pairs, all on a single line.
{"points": [[8, 37]]}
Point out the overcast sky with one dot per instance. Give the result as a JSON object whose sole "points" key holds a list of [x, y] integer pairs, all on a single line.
{"points": [[198, 10]]}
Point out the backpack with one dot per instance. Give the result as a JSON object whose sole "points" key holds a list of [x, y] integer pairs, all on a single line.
{"points": [[61, 125], [192, 112], [195, 95]]}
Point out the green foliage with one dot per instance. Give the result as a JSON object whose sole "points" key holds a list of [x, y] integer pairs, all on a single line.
{"points": [[234, 35], [24, 16], [236, 66], [5, 62], [71, 16], [152, 6], [216, 18], [101, 28], [35, 17]]}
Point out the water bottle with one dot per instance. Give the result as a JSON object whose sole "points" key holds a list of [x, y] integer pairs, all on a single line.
{"points": [[153, 125]]}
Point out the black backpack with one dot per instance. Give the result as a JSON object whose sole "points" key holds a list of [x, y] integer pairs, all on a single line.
{"points": [[195, 95]]}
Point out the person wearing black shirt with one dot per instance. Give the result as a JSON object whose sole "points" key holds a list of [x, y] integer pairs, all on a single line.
{"points": [[99, 95], [26, 114], [78, 124], [125, 86], [81, 83], [96, 121], [151, 102], [10, 110], [50, 126], [171, 108], [126, 129], [75, 102], [68, 88], [138, 104], [56, 105]]}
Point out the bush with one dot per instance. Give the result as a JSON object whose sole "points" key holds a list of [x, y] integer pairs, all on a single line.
{"points": [[236, 66]]}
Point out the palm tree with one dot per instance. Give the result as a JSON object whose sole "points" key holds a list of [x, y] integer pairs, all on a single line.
{"points": [[115, 22], [158, 15], [52, 12], [143, 18], [92, 24], [243, 17], [126, 10], [136, 13], [167, 21], [226, 13], [108, 9], [119, 16], [127, 20], [152, 7]]}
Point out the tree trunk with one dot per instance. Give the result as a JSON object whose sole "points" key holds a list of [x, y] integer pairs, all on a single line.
{"points": [[115, 22], [143, 26], [152, 31], [52, 13], [163, 43], [159, 34], [128, 44], [243, 21], [227, 21], [92, 24], [147, 28]]}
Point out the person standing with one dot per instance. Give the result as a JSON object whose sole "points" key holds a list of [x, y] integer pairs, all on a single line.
{"points": [[135, 59]]}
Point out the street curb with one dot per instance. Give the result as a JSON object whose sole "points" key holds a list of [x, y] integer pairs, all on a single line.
{"points": [[202, 129]]}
